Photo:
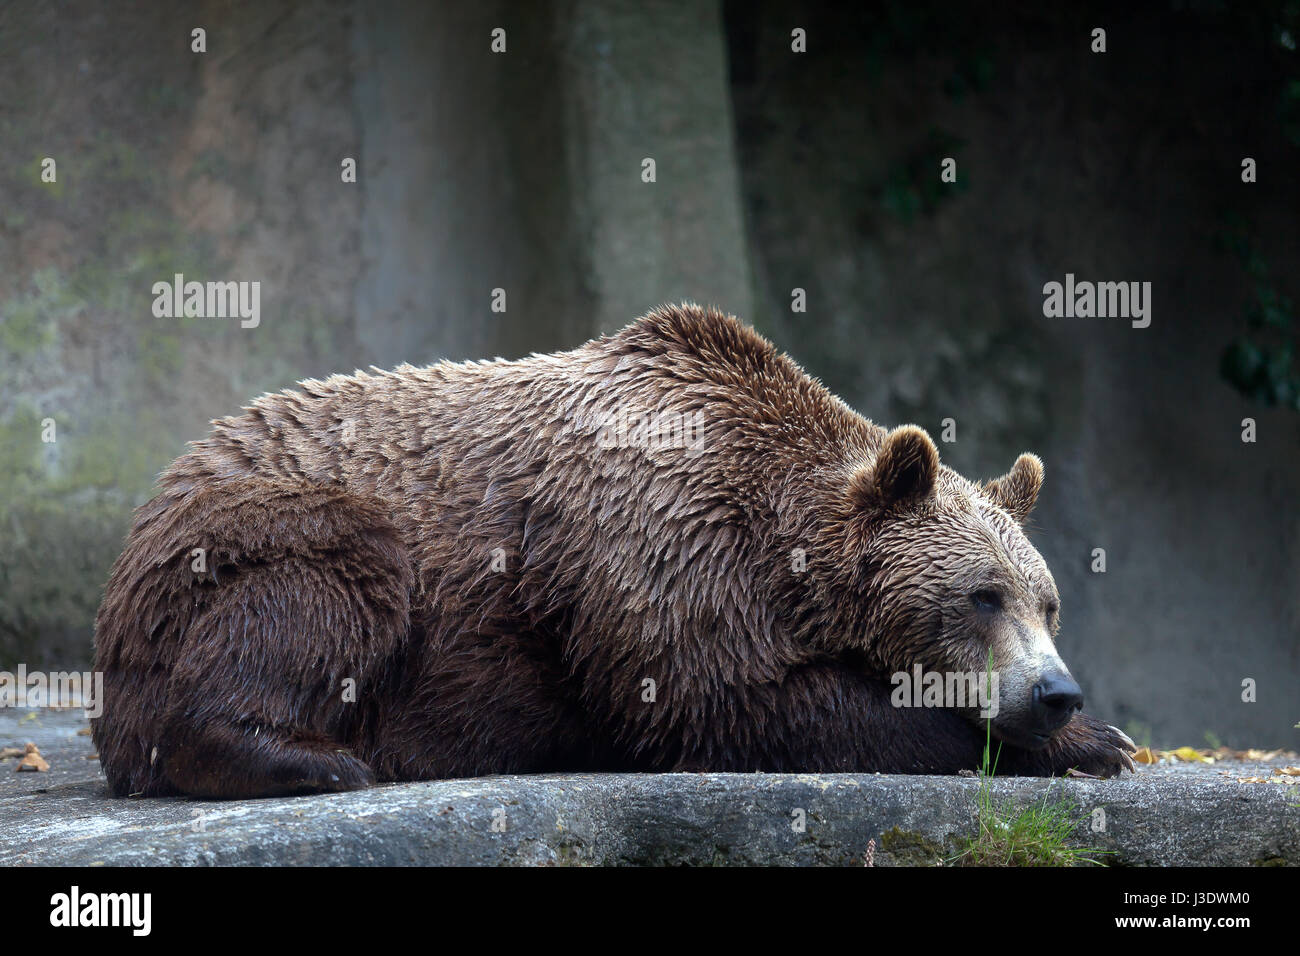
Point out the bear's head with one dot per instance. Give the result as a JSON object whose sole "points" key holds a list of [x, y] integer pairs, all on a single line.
{"points": [[945, 578]]}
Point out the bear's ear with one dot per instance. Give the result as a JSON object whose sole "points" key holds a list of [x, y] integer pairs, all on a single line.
{"points": [[1017, 490], [905, 471]]}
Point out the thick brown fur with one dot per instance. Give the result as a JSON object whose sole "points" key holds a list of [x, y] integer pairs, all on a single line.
{"points": [[448, 571]]}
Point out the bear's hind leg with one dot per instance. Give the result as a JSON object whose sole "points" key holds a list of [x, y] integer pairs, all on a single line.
{"points": [[286, 645], [218, 758]]}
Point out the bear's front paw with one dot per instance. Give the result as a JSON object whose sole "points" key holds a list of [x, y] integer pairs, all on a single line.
{"points": [[1092, 747], [1086, 744]]}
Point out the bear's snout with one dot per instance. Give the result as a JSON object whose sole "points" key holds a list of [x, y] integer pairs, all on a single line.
{"points": [[1056, 698]]}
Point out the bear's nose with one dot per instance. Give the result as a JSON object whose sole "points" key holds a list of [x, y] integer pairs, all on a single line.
{"points": [[1056, 698]]}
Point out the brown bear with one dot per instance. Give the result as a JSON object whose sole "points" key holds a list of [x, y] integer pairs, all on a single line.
{"points": [[668, 549]]}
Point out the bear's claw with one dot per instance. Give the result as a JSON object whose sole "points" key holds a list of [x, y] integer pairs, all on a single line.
{"points": [[1129, 747], [1117, 748], [1123, 736]]}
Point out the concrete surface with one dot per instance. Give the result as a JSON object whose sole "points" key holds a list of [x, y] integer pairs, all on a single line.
{"points": [[1166, 815]]}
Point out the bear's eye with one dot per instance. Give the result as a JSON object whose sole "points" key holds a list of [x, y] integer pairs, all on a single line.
{"points": [[1051, 610], [986, 599]]}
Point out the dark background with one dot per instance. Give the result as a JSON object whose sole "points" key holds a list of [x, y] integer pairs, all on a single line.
{"points": [[775, 171]]}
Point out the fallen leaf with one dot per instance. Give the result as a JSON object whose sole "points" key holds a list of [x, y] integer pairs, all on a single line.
{"points": [[7, 752], [1145, 755], [32, 761], [1191, 754], [1261, 754]]}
